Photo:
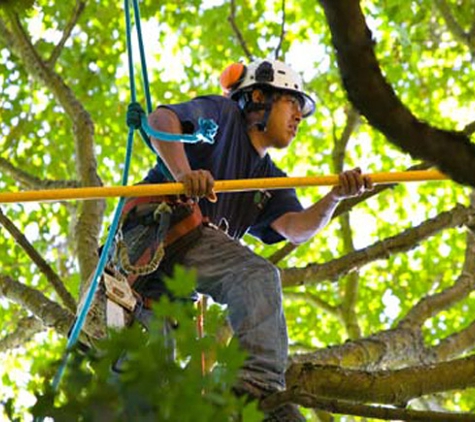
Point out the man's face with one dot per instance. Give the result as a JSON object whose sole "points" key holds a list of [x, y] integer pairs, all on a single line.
{"points": [[284, 120]]}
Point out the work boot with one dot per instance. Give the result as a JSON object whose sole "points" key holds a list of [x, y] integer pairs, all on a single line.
{"points": [[286, 413]]}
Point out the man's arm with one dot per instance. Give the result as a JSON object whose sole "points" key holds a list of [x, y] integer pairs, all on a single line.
{"points": [[197, 183], [298, 227]]}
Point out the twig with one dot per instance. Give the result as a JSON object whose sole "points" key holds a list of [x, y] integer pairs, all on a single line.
{"points": [[80, 5], [314, 301], [33, 182], [454, 27], [42, 265], [282, 32], [232, 21]]}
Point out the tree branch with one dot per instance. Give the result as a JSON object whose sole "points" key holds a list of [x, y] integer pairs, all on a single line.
{"points": [[26, 328], [454, 345], [232, 21], [343, 207], [80, 5], [452, 152], [46, 310], [32, 182], [282, 33], [42, 265], [432, 305], [395, 347], [90, 219], [350, 287], [454, 27], [348, 408], [464, 285], [405, 241], [469, 129], [404, 344], [314, 301], [379, 387]]}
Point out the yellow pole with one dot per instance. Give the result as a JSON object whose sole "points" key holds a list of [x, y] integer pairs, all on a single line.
{"points": [[220, 186]]}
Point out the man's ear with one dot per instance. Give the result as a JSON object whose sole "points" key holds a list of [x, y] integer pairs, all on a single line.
{"points": [[258, 96]]}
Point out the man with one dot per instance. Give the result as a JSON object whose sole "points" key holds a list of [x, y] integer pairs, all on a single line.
{"points": [[263, 110]]}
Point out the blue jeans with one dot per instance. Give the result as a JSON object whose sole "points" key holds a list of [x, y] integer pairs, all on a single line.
{"points": [[231, 274]]}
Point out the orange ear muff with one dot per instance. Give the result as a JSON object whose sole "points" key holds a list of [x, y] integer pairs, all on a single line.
{"points": [[231, 76]]}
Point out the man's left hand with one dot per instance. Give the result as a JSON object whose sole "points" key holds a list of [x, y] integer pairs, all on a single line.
{"points": [[351, 183]]}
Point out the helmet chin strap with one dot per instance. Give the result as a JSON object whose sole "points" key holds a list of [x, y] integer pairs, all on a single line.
{"points": [[266, 106]]}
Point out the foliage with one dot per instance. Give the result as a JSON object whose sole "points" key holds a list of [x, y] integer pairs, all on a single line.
{"points": [[427, 60], [131, 375]]}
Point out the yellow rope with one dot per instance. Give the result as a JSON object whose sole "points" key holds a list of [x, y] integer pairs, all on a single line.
{"points": [[220, 186]]}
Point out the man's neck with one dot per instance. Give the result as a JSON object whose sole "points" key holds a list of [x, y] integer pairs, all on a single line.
{"points": [[258, 141]]}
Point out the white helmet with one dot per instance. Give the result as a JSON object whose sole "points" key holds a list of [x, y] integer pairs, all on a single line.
{"points": [[237, 79]]}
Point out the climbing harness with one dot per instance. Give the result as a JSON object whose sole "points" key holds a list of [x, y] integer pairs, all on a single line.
{"points": [[105, 279]]}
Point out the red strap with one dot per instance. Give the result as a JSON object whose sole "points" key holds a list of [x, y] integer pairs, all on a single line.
{"points": [[184, 226], [133, 202]]}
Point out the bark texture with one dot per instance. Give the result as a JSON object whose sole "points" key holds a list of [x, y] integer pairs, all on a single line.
{"points": [[368, 90]]}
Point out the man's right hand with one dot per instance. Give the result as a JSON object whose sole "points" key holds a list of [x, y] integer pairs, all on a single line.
{"points": [[198, 184]]}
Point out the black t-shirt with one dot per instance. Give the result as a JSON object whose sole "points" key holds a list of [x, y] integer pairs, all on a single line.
{"points": [[232, 156]]}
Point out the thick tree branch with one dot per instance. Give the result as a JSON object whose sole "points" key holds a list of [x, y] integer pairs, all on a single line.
{"points": [[348, 408], [26, 328], [395, 347], [42, 265], [469, 129], [49, 312], [389, 387], [232, 21], [452, 152], [80, 5], [404, 344], [405, 241], [90, 219]]}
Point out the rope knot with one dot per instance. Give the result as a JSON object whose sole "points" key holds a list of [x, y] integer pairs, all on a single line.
{"points": [[207, 130], [134, 115]]}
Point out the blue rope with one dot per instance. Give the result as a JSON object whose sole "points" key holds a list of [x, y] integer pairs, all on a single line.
{"points": [[205, 133], [146, 85], [136, 119], [81, 318]]}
